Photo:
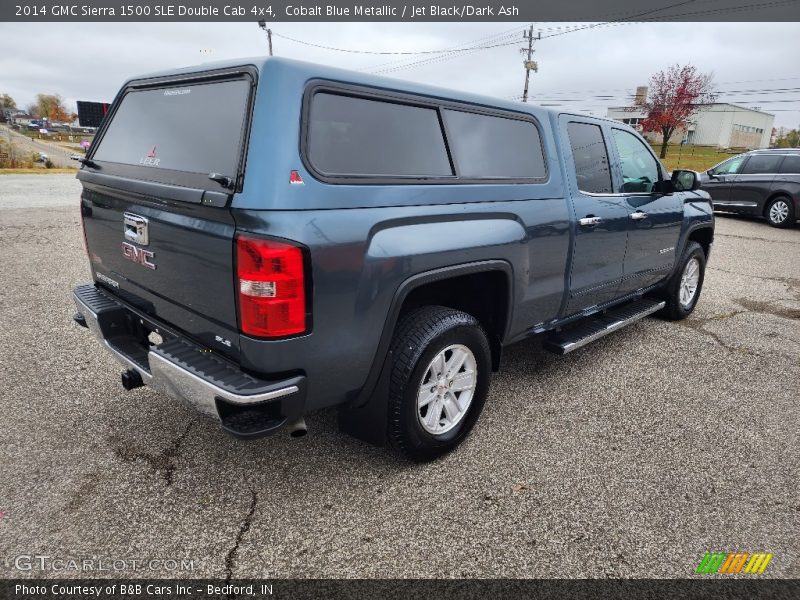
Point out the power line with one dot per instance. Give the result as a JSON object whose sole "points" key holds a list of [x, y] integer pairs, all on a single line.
{"points": [[635, 19], [763, 101], [443, 54], [626, 89], [714, 92], [450, 53], [437, 59], [760, 80], [765, 96], [590, 104], [626, 18], [487, 39], [572, 109], [717, 99], [628, 97], [480, 44], [437, 55], [377, 52], [455, 52], [757, 91], [642, 16]]}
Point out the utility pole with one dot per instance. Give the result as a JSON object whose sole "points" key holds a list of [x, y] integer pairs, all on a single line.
{"points": [[529, 63], [263, 26]]}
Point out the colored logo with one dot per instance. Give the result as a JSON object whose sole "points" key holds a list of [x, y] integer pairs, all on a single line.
{"points": [[138, 255], [150, 160], [734, 562]]}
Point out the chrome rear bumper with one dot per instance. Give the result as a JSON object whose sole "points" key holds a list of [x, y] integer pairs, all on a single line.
{"points": [[244, 405]]}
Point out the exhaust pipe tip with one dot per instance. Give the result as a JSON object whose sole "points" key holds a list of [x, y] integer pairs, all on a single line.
{"points": [[297, 428], [131, 379]]}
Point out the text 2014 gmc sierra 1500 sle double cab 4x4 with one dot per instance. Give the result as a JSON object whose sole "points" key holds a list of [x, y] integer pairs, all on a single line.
{"points": [[269, 237]]}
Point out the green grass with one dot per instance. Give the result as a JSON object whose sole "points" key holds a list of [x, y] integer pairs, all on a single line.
{"points": [[38, 171], [696, 158]]}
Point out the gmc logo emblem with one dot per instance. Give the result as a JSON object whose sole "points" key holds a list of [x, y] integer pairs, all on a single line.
{"points": [[138, 255]]}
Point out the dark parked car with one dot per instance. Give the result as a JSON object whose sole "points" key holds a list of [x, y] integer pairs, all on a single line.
{"points": [[331, 238], [763, 183]]}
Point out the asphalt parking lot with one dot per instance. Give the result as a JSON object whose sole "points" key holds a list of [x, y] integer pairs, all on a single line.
{"points": [[631, 457]]}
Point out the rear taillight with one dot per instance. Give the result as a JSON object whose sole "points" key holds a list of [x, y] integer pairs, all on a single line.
{"points": [[272, 289]]}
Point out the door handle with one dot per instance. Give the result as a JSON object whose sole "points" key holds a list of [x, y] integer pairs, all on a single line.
{"points": [[638, 215], [590, 221]]}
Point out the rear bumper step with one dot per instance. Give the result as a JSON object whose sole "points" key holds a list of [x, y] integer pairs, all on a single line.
{"points": [[597, 326], [244, 405]]}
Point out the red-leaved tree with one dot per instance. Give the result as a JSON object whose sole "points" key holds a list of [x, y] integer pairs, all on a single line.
{"points": [[672, 98]]}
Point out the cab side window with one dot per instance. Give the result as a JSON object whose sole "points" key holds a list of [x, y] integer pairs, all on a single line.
{"points": [[487, 146], [363, 137], [729, 167], [762, 163], [590, 157], [639, 169], [791, 164]]}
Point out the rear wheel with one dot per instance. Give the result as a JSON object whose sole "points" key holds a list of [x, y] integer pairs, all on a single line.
{"points": [[780, 212], [683, 289], [439, 381]]}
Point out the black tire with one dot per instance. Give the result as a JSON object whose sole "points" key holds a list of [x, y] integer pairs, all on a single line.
{"points": [[774, 219], [419, 337], [674, 310]]}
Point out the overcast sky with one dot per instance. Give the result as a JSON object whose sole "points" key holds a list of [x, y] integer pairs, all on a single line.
{"points": [[754, 64]]}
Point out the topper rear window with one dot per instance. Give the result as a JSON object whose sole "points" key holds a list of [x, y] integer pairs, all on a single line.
{"points": [[196, 128]]}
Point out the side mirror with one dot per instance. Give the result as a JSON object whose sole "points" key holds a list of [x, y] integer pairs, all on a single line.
{"points": [[684, 180], [711, 173]]}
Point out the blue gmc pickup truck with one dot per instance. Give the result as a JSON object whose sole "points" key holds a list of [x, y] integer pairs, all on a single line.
{"points": [[270, 237]]}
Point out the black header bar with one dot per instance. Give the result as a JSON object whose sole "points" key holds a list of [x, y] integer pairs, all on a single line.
{"points": [[399, 10], [405, 589]]}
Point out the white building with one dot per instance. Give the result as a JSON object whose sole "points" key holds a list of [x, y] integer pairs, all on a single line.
{"points": [[720, 124]]}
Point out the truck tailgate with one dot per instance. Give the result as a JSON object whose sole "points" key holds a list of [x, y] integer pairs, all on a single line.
{"points": [[157, 182], [172, 260]]}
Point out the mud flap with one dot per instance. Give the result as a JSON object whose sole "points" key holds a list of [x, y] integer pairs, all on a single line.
{"points": [[368, 422]]}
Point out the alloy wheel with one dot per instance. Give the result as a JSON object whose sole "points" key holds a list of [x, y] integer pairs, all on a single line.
{"points": [[689, 282], [447, 389]]}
